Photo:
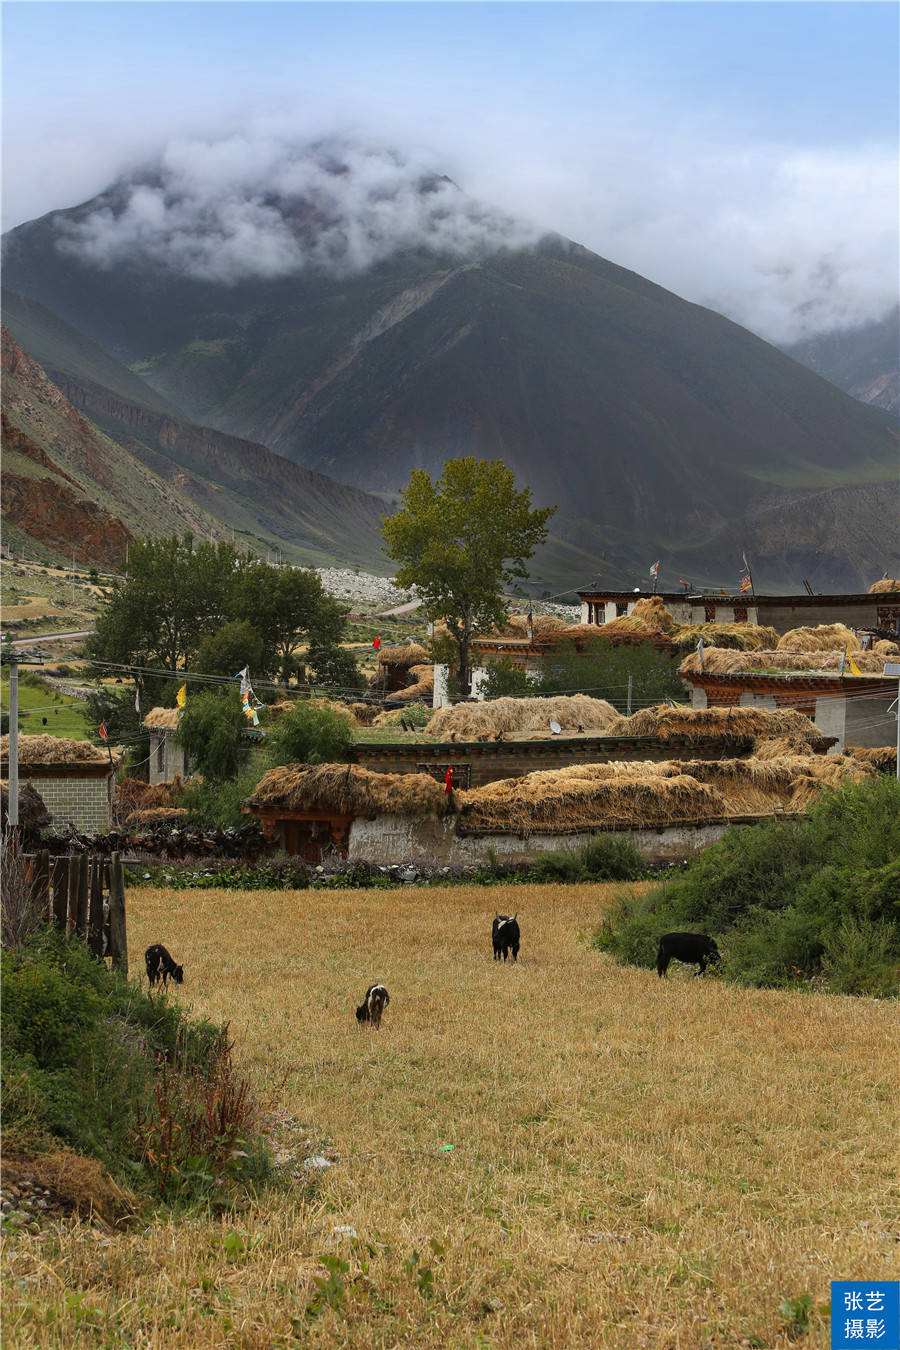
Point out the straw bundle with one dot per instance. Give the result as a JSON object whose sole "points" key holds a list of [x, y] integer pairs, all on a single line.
{"points": [[349, 790], [882, 758], [57, 750], [745, 637], [717, 661], [567, 800], [824, 637], [886, 649], [364, 713], [884, 585], [664, 722], [162, 719], [502, 716], [156, 815], [651, 611], [412, 654], [421, 690], [543, 626]]}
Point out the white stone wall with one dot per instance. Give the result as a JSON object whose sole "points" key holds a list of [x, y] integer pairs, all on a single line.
{"points": [[398, 839], [440, 698]]}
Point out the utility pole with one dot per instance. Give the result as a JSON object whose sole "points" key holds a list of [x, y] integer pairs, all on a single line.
{"points": [[893, 668], [13, 771], [73, 576], [630, 686]]}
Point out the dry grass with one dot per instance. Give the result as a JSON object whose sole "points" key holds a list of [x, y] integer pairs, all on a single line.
{"points": [[349, 790], [824, 637], [691, 724], [635, 1164], [410, 654], [884, 585], [162, 719], [57, 750], [502, 716], [721, 661]]}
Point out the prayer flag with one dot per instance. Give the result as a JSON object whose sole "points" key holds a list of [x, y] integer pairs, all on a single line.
{"points": [[654, 569], [854, 668], [244, 677], [103, 735], [377, 643], [700, 654], [448, 780], [137, 700], [746, 584], [181, 696]]}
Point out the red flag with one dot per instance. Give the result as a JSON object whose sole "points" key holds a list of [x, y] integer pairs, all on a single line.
{"points": [[448, 780], [377, 643], [103, 735]]}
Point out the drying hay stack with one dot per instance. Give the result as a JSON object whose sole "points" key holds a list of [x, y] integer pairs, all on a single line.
{"points": [[545, 627], [162, 719], [693, 724], [421, 691], [824, 637], [151, 816], [401, 658], [742, 637], [58, 750], [718, 661], [884, 586], [522, 717], [882, 758], [348, 790]]}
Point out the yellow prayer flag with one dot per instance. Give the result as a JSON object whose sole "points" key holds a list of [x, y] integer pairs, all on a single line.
{"points": [[181, 696], [854, 668]]}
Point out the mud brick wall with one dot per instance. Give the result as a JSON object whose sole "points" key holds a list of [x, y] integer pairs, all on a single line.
{"points": [[82, 801]]}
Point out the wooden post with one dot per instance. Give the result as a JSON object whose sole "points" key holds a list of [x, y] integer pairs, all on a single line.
{"points": [[95, 909], [81, 912], [60, 892], [118, 941], [72, 908], [42, 883]]}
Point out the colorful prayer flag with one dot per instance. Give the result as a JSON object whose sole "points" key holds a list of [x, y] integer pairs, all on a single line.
{"points": [[244, 677], [654, 569], [854, 668], [103, 735], [181, 696], [746, 584]]}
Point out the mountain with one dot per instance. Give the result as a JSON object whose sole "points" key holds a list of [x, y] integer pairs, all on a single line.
{"points": [[661, 429], [865, 361], [86, 466]]}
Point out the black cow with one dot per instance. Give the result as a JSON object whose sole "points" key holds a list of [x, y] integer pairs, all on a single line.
{"points": [[160, 965], [373, 1005], [692, 948], [505, 936]]}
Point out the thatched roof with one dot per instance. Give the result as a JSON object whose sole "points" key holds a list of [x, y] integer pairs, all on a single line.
{"points": [[33, 814], [884, 585], [503, 716], [349, 790], [824, 637], [717, 661], [58, 750], [162, 719], [411, 654], [693, 724], [648, 795]]}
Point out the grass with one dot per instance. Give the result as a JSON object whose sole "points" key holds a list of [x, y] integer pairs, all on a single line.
{"points": [[631, 1162], [65, 716]]}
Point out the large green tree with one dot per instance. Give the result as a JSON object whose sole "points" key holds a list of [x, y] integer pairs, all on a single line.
{"points": [[285, 605], [461, 541]]}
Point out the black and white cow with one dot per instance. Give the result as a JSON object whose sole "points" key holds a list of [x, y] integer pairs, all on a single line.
{"points": [[505, 936]]}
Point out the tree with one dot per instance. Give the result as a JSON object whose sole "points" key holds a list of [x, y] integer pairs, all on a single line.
{"points": [[601, 669], [285, 604], [461, 540], [334, 666], [226, 652], [309, 734], [175, 593], [211, 730]]}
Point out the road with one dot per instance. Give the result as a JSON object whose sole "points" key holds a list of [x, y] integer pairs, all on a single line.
{"points": [[51, 637]]}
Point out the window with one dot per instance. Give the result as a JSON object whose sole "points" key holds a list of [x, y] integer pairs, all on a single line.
{"points": [[889, 617], [740, 613], [462, 773], [709, 613], [621, 609]]}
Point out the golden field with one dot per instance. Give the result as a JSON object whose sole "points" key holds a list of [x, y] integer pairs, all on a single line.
{"points": [[634, 1162]]}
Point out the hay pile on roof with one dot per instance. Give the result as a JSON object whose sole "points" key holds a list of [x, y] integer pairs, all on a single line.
{"points": [[884, 585], [33, 813], [289, 705], [420, 691], [824, 637], [886, 649], [543, 626], [411, 654], [504, 716], [883, 758], [652, 611], [646, 795], [744, 637], [717, 661], [133, 794], [693, 724], [58, 750], [162, 719], [348, 790]]}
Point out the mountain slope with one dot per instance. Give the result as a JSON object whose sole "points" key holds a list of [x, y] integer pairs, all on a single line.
{"points": [[658, 427], [863, 361]]}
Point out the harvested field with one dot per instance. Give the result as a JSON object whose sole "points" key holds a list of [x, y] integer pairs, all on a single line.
{"points": [[580, 1154], [484, 721]]}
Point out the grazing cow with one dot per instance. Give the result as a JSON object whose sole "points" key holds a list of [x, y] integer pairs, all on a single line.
{"points": [[160, 965], [505, 936], [373, 1005], [691, 948]]}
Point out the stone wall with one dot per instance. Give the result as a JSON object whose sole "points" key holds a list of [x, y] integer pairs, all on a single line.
{"points": [[82, 802]]}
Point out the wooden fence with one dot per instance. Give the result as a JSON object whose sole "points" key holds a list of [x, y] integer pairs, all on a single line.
{"points": [[84, 896]]}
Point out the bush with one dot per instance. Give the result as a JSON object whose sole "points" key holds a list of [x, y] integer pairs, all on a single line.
{"points": [[211, 730], [605, 857], [811, 900], [91, 1061], [310, 734], [217, 803]]}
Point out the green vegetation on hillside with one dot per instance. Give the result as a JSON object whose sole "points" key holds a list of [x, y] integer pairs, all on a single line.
{"points": [[789, 902]]}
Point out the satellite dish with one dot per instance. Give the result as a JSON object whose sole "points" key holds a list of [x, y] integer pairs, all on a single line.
{"points": [[555, 728]]}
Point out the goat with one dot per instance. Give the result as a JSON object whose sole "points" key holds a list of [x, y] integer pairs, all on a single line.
{"points": [[505, 936], [373, 1005], [691, 948], [160, 965]]}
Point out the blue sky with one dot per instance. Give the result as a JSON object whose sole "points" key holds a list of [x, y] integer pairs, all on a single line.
{"points": [[742, 154]]}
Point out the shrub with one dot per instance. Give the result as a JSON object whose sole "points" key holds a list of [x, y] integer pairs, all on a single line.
{"points": [[211, 730], [817, 899], [310, 734]]}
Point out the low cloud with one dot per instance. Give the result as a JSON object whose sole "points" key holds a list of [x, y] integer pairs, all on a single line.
{"points": [[261, 207]]}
